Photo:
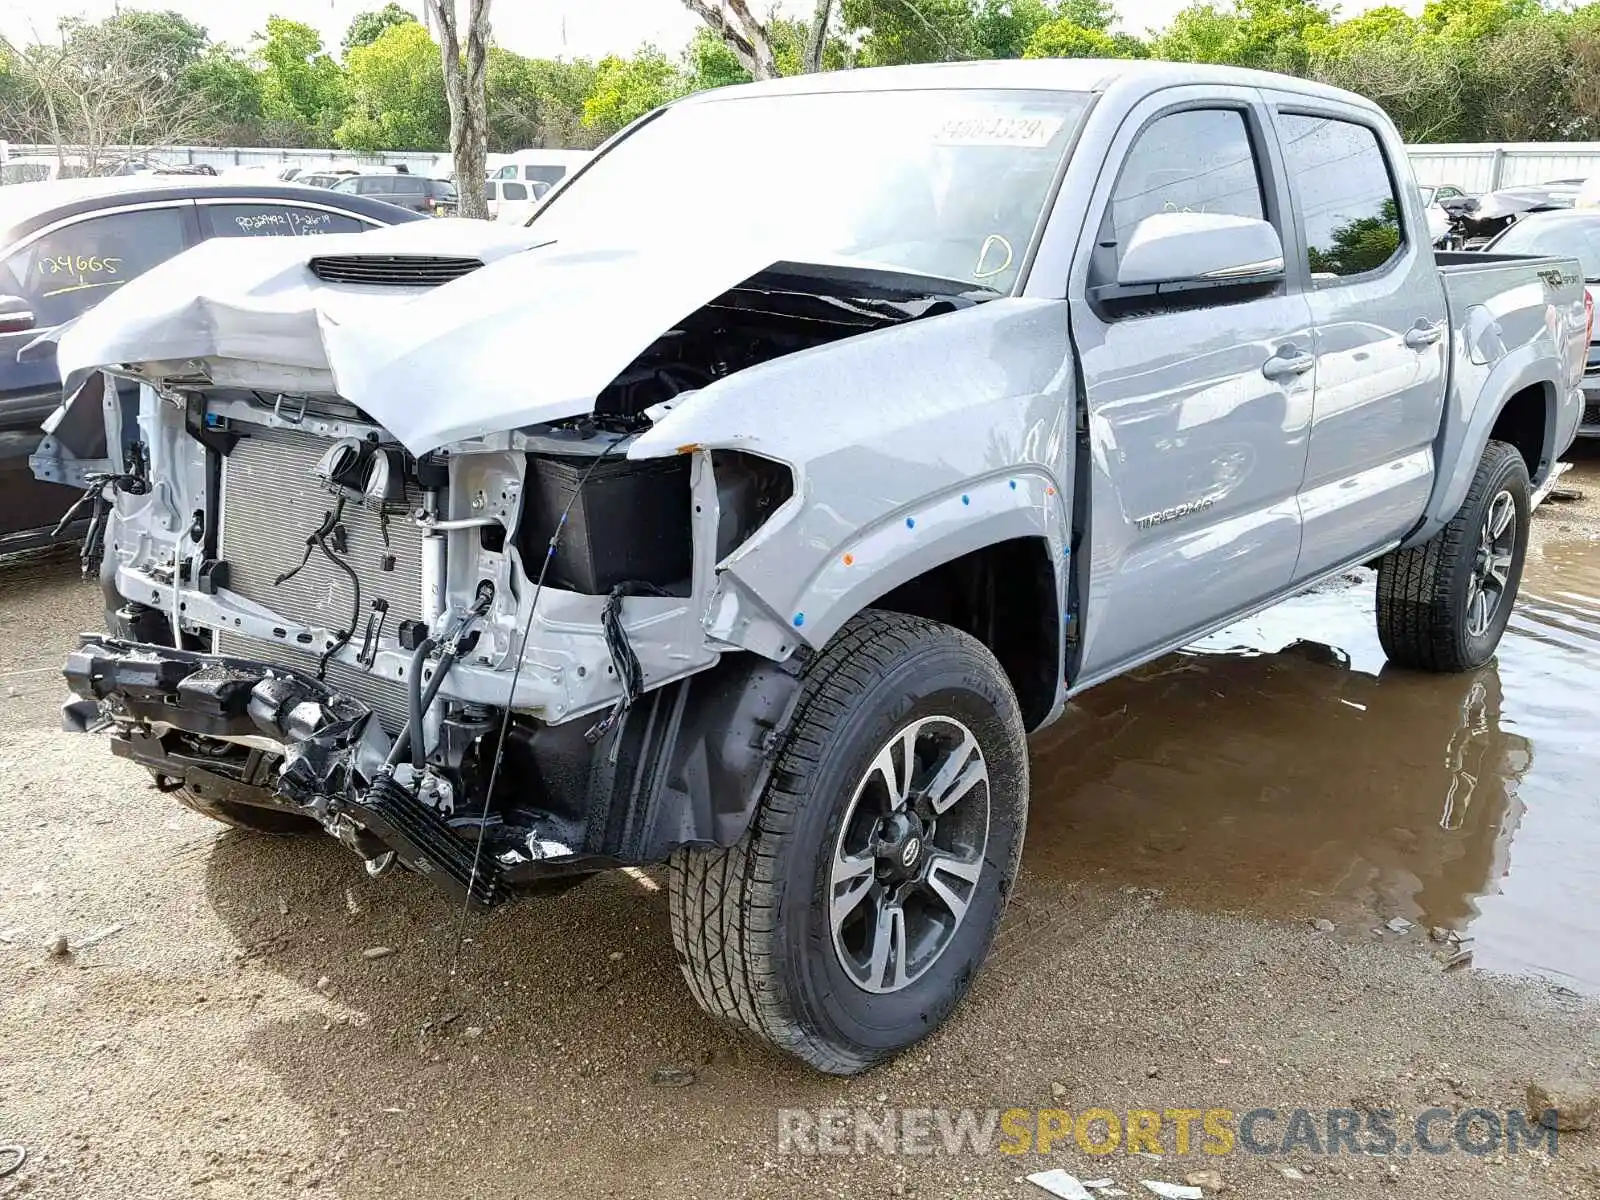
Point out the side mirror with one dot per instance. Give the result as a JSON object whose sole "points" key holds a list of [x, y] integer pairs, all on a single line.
{"points": [[16, 315], [1187, 247]]}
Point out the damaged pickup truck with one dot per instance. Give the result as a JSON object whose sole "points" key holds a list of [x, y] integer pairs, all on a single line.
{"points": [[748, 525]]}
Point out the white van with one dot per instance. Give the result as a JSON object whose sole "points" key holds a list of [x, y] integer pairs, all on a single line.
{"points": [[513, 200], [542, 166]]}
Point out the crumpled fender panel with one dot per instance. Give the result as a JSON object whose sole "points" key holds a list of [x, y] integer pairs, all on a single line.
{"points": [[910, 446]]}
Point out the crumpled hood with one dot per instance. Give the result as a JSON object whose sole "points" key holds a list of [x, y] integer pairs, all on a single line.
{"points": [[530, 337]]}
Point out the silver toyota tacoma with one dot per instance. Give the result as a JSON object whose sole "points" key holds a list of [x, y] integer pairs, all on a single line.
{"points": [[815, 443]]}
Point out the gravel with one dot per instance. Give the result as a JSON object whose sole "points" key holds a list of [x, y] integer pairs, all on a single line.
{"points": [[220, 1046]]}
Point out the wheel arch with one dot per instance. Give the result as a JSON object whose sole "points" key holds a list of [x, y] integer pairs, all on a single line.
{"points": [[1525, 412]]}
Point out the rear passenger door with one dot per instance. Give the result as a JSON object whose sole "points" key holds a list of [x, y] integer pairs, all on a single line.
{"points": [[1381, 336], [1199, 402]]}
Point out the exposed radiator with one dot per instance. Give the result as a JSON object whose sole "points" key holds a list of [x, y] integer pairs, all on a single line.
{"points": [[271, 502]]}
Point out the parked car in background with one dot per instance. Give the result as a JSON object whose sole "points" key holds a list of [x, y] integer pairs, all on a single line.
{"points": [[1571, 234], [1083, 361], [549, 167], [1433, 196], [66, 245], [512, 200], [418, 193]]}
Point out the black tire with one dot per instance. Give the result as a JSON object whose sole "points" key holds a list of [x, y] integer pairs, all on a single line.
{"points": [[750, 923], [247, 816], [1425, 593]]}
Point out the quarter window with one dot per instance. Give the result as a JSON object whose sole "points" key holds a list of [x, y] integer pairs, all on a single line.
{"points": [[1197, 160], [70, 270], [1347, 196]]}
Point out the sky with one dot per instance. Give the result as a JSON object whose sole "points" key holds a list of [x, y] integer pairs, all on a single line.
{"points": [[544, 28]]}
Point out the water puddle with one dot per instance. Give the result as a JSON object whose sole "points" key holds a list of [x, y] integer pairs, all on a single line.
{"points": [[1282, 767]]}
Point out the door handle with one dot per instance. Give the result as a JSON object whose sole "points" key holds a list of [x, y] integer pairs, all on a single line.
{"points": [[1422, 335], [1287, 363]]}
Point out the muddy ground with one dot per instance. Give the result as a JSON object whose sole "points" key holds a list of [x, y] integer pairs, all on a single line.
{"points": [[1190, 823]]}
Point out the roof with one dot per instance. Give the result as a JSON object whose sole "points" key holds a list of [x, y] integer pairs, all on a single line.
{"points": [[1043, 74], [27, 204]]}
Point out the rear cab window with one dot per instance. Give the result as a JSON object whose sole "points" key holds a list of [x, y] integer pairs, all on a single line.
{"points": [[1348, 202], [69, 270]]}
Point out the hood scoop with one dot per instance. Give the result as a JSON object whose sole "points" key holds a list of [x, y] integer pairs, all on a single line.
{"points": [[392, 270]]}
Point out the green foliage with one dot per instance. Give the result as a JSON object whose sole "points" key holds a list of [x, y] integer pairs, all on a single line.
{"points": [[709, 63], [1360, 245], [894, 31], [166, 43], [1463, 70], [396, 93], [1063, 39], [230, 92], [627, 88], [1003, 28], [302, 89], [368, 27]]}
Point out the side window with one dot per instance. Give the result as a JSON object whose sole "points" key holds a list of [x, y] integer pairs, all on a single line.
{"points": [[509, 171], [275, 220], [516, 191], [1347, 196], [545, 174], [408, 185], [70, 270], [1197, 160], [489, 191]]}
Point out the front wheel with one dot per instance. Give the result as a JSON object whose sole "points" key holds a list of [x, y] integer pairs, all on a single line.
{"points": [[1443, 605], [850, 920]]}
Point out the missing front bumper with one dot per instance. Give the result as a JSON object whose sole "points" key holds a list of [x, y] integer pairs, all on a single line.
{"points": [[303, 748]]}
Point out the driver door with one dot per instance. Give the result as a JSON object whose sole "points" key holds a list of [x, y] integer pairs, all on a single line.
{"points": [[1199, 402]]}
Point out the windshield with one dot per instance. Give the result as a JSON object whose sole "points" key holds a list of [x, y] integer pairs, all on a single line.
{"points": [[948, 183], [1579, 239]]}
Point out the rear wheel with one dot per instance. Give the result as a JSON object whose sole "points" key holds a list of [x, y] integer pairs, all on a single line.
{"points": [[850, 920], [1443, 605]]}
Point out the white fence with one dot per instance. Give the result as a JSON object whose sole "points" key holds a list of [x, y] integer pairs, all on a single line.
{"points": [[1483, 167], [1476, 167], [224, 158]]}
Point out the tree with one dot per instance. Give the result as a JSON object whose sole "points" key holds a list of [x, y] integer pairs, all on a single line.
{"points": [[465, 90], [1003, 28], [735, 24], [911, 31], [396, 93], [710, 62], [228, 92], [100, 90], [538, 101], [817, 37], [1202, 33], [1088, 14], [368, 27], [1421, 80], [302, 88], [627, 88], [1063, 39], [164, 43]]}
